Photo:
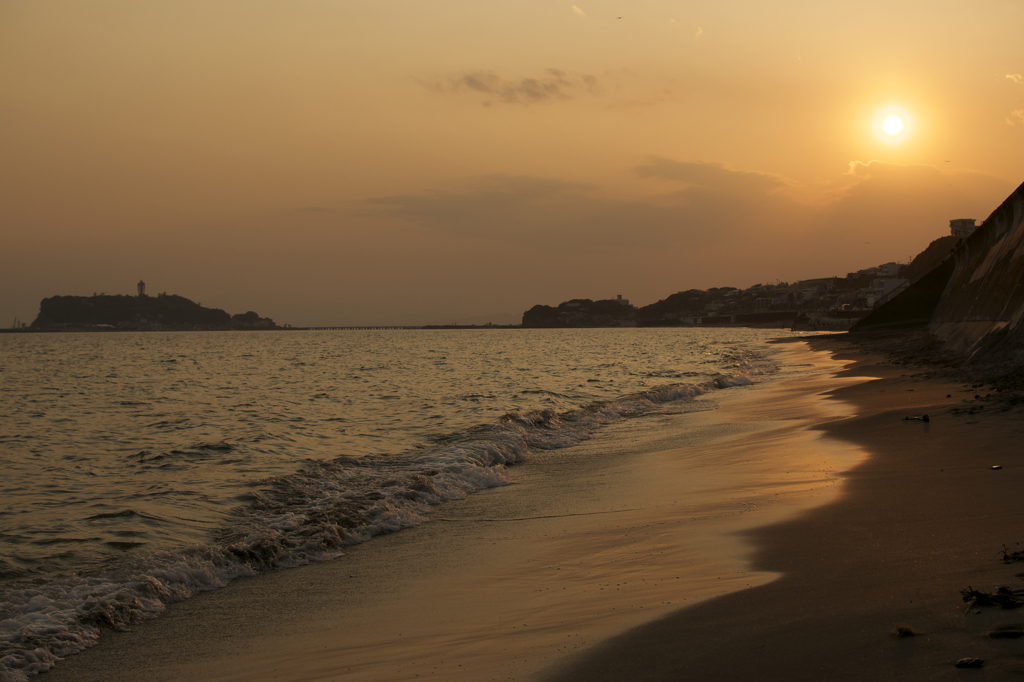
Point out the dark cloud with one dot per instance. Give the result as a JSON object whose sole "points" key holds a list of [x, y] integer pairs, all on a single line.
{"points": [[551, 86]]}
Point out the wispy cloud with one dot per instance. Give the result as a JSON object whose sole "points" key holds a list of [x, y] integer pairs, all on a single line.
{"points": [[699, 32], [577, 10], [706, 175], [1018, 114], [1016, 78], [553, 85]]}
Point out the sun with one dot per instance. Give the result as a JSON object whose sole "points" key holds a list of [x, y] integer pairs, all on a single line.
{"points": [[892, 124]]}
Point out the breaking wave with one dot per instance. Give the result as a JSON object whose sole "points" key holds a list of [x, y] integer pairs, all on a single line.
{"points": [[307, 516]]}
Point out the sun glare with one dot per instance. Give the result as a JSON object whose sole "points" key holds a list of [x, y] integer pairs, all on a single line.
{"points": [[892, 124]]}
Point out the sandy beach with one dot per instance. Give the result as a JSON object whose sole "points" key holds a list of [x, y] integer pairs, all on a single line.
{"points": [[921, 519], [781, 536]]}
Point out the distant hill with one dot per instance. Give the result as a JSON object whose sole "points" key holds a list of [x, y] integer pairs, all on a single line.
{"points": [[844, 298], [164, 311], [690, 303], [580, 312]]}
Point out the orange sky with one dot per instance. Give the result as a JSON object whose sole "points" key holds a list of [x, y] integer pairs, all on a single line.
{"points": [[409, 162]]}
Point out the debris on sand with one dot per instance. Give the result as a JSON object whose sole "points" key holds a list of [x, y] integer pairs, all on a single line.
{"points": [[922, 418], [901, 631], [970, 663], [1011, 555], [1003, 596]]}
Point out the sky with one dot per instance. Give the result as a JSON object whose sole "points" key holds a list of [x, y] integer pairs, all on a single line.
{"points": [[335, 162]]}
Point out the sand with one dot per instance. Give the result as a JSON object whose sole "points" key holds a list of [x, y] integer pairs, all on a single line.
{"points": [[781, 536], [921, 519]]}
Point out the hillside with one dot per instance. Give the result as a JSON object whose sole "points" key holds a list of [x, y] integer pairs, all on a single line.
{"points": [[929, 259]]}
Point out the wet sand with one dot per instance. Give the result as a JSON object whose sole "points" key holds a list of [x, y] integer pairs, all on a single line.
{"points": [[580, 570], [923, 518]]}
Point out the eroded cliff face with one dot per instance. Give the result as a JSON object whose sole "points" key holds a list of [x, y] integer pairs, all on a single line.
{"points": [[980, 310]]}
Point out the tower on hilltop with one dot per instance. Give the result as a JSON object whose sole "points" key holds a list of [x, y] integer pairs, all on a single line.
{"points": [[142, 288]]}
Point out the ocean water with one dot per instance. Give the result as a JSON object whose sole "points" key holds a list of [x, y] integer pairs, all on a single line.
{"points": [[142, 468]]}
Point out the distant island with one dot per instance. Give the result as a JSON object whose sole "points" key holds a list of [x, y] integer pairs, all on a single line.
{"points": [[163, 312]]}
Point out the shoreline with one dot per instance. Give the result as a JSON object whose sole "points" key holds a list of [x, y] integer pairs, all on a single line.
{"points": [[923, 518], [591, 541], [429, 327]]}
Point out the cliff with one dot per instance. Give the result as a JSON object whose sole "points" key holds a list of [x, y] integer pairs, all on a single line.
{"points": [[983, 302], [973, 301]]}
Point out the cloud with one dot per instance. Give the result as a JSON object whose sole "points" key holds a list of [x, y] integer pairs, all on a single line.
{"points": [[711, 176], [577, 10], [1016, 78], [1019, 114], [716, 224], [543, 211], [699, 32], [711, 204], [553, 85]]}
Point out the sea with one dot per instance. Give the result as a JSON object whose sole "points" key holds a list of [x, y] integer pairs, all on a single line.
{"points": [[140, 469]]}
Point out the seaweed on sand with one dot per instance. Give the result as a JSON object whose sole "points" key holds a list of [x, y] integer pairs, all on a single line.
{"points": [[1011, 555], [1003, 596]]}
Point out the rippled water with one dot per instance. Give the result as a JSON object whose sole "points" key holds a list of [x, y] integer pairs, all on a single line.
{"points": [[140, 468]]}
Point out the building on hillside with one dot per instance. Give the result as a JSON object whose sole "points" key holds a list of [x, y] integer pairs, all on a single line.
{"points": [[889, 270], [962, 227], [861, 273], [142, 288]]}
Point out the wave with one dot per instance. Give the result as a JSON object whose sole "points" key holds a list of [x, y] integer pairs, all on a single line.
{"points": [[307, 516]]}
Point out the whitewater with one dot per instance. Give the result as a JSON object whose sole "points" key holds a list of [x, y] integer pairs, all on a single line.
{"points": [[143, 468]]}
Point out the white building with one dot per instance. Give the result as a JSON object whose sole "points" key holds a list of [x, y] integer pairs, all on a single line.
{"points": [[962, 227]]}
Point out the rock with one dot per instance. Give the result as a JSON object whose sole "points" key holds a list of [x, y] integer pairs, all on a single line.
{"points": [[970, 663]]}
